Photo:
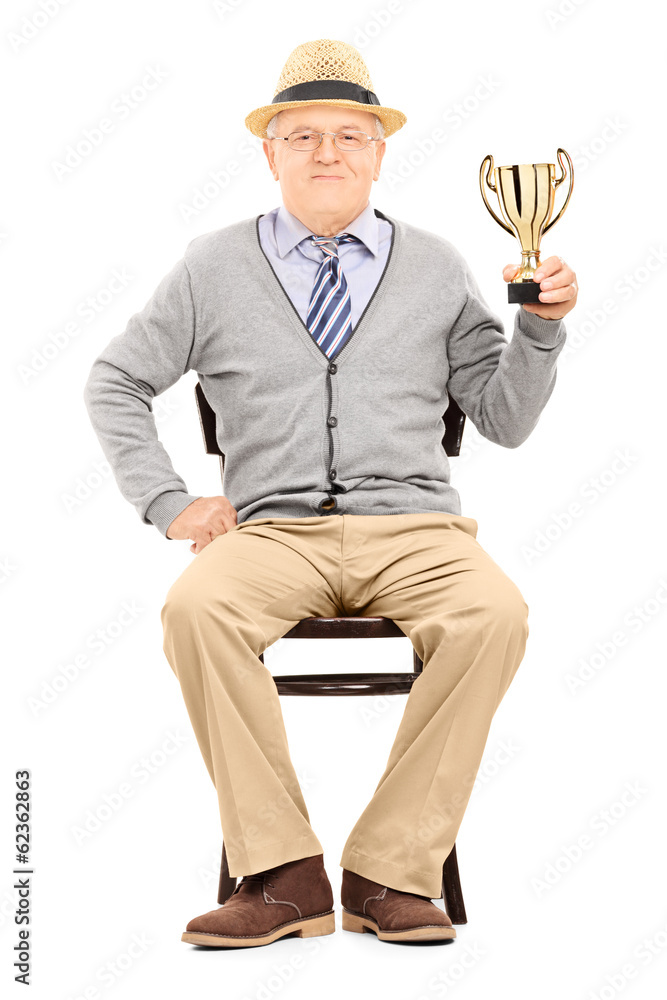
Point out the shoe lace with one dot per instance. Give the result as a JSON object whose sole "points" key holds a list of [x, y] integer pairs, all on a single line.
{"points": [[258, 877]]}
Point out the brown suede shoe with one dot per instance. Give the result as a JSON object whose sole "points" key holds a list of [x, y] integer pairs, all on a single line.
{"points": [[391, 914], [300, 902]]}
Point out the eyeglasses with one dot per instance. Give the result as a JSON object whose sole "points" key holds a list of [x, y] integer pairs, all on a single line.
{"points": [[347, 141]]}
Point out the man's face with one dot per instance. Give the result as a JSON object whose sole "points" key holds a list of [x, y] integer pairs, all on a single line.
{"points": [[327, 180]]}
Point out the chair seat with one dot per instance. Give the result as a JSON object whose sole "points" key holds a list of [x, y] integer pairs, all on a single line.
{"points": [[348, 627]]}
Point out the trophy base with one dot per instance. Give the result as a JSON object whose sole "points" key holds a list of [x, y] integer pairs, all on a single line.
{"points": [[523, 291]]}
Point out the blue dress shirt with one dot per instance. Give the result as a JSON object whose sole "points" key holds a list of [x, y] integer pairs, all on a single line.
{"points": [[284, 239]]}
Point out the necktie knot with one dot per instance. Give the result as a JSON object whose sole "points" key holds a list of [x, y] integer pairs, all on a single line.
{"points": [[329, 244]]}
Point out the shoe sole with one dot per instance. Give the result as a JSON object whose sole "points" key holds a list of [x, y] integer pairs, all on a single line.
{"points": [[316, 926], [427, 932]]}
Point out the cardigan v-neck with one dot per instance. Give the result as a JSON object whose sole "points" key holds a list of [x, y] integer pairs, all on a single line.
{"points": [[278, 291]]}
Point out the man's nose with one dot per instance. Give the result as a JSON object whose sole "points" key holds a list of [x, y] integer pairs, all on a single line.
{"points": [[327, 149]]}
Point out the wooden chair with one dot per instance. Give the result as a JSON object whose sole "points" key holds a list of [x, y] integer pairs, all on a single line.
{"points": [[349, 628]]}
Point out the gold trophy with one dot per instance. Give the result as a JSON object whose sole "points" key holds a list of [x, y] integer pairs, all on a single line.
{"points": [[526, 195]]}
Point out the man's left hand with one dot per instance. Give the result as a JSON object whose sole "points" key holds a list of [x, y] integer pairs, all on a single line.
{"points": [[558, 288]]}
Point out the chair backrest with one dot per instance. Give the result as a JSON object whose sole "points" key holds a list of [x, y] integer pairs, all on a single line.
{"points": [[454, 419]]}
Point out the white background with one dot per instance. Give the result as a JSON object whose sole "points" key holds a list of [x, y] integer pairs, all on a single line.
{"points": [[590, 79]]}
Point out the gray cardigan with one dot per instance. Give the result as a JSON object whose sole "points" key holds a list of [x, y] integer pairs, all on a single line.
{"points": [[296, 427]]}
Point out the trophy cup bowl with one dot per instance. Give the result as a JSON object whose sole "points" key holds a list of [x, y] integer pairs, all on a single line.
{"points": [[526, 194]]}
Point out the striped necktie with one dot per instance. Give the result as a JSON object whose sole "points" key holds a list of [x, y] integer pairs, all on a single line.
{"points": [[329, 314]]}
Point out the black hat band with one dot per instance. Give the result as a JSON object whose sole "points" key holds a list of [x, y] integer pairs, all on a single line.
{"points": [[326, 90]]}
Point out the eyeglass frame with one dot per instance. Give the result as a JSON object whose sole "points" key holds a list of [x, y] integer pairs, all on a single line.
{"points": [[322, 135]]}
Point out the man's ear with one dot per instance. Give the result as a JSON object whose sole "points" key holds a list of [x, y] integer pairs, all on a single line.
{"points": [[381, 147], [271, 157]]}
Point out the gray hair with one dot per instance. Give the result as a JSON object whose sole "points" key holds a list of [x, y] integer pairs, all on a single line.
{"points": [[273, 126]]}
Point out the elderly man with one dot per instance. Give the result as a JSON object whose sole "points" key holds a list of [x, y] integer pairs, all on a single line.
{"points": [[328, 336]]}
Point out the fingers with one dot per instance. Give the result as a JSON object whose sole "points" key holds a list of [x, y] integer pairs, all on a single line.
{"points": [[228, 519], [557, 280], [206, 533], [549, 267], [207, 518], [509, 271], [561, 294], [200, 544]]}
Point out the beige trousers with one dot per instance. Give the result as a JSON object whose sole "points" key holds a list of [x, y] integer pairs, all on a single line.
{"points": [[248, 587]]}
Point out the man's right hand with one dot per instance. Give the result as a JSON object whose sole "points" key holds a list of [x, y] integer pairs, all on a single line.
{"points": [[202, 521]]}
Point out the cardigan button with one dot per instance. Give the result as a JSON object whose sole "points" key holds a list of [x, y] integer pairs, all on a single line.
{"points": [[332, 421], [333, 367], [332, 474]]}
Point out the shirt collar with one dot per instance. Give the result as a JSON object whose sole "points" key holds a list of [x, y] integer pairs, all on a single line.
{"points": [[290, 231]]}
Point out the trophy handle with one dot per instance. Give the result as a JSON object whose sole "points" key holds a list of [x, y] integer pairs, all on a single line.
{"points": [[488, 163], [559, 180]]}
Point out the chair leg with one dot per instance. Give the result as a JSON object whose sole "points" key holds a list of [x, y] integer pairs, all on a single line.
{"points": [[451, 890], [227, 883]]}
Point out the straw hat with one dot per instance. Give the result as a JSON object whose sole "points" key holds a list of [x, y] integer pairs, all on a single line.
{"points": [[325, 71]]}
